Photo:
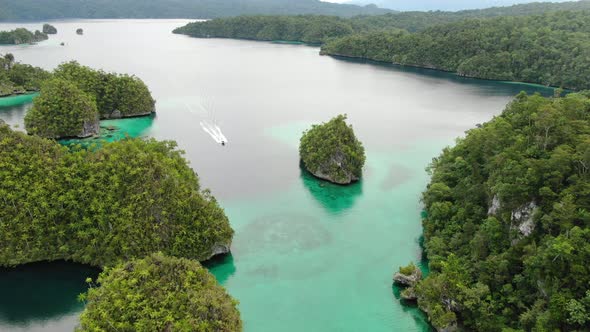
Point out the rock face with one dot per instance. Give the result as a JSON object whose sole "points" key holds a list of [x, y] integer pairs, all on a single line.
{"points": [[522, 219], [220, 249], [336, 161], [408, 280], [495, 206], [91, 128]]}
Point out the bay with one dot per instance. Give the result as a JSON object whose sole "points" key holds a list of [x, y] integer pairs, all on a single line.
{"points": [[307, 256]]}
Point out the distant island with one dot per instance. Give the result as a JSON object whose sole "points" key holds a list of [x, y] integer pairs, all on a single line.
{"points": [[21, 36], [49, 29], [332, 152], [80, 31]]}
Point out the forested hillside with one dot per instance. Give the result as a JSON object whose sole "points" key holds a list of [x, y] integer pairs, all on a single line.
{"points": [[551, 49], [56, 9], [507, 230]]}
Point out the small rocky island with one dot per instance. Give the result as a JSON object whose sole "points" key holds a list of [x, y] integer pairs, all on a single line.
{"points": [[80, 31], [21, 36], [49, 29], [332, 152]]}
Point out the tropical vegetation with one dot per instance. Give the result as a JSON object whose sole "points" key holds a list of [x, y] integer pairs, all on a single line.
{"points": [[101, 206], [21, 36], [116, 95], [550, 49], [62, 110], [17, 78], [507, 227], [159, 293], [332, 152]]}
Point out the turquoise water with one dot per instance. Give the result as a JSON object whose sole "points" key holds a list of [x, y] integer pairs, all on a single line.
{"points": [[17, 100], [307, 255]]}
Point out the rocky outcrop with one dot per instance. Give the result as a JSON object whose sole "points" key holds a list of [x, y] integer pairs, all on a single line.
{"points": [[345, 176], [116, 114], [220, 249], [495, 206], [49, 29], [80, 31], [408, 280], [91, 128], [522, 219]]}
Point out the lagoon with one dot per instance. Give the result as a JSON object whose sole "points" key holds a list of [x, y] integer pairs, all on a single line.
{"points": [[307, 256]]}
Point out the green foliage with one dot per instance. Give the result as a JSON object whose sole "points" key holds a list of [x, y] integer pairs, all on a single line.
{"points": [[308, 28], [320, 29], [113, 92], [16, 78], [159, 293], [49, 29], [332, 151], [62, 110], [486, 273], [102, 206], [408, 270], [21, 36], [550, 49]]}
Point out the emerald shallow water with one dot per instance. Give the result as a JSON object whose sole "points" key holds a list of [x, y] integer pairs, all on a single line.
{"points": [[307, 256]]}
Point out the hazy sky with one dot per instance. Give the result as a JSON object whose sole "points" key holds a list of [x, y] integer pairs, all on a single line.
{"points": [[438, 4]]}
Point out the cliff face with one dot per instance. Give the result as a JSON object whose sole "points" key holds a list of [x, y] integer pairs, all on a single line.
{"points": [[335, 170]]}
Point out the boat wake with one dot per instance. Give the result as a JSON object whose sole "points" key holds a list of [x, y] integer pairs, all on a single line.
{"points": [[214, 131], [209, 125]]}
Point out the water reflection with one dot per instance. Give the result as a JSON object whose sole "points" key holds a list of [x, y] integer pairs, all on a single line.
{"points": [[334, 198], [42, 291], [222, 267]]}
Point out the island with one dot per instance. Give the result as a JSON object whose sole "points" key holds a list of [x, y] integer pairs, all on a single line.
{"points": [[21, 36], [504, 48], [117, 95], [94, 205], [506, 222], [62, 110], [332, 152], [17, 78], [49, 29], [159, 293], [80, 31]]}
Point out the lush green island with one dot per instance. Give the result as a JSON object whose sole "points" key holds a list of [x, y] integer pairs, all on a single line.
{"points": [[549, 49], [310, 29], [77, 97], [49, 29], [62, 110], [332, 152], [315, 29], [35, 10], [159, 293], [21, 36], [94, 206], [117, 96], [507, 230], [17, 78]]}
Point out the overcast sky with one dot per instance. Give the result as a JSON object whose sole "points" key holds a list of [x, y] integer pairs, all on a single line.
{"points": [[438, 4]]}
